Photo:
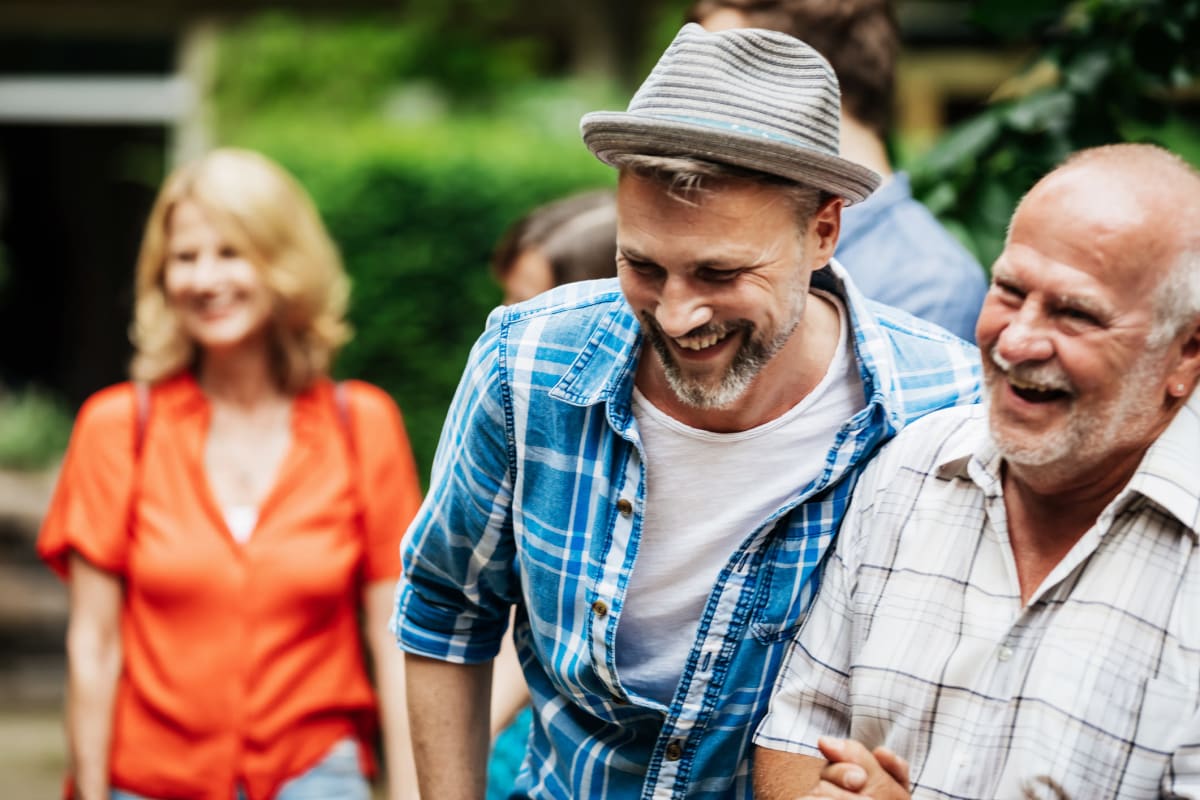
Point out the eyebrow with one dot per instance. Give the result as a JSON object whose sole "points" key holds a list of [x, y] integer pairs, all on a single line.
{"points": [[1084, 303], [632, 254]]}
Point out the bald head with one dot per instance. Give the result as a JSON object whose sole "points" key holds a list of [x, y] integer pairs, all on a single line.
{"points": [[1134, 208]]}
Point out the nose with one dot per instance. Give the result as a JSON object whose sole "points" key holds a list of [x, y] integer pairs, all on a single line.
{"points": [[681, 308], [1026, 337], [206, 271]]}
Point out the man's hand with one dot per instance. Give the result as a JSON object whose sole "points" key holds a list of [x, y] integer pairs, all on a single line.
{"points": [[855, 772]]}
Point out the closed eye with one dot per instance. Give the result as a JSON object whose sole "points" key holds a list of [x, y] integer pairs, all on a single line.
{"points": [[1079, 315], [717, 275], [1009, 290], [645, 268]]}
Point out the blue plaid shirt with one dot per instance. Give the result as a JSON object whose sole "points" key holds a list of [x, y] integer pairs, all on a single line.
{"points": [[537, 497]]}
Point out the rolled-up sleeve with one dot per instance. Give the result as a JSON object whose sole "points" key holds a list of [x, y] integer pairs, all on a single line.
{"points": [[458, 585]]}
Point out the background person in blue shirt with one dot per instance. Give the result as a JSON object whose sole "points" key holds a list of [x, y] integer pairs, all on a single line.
{"points": [[893, 248], [651, 469]]}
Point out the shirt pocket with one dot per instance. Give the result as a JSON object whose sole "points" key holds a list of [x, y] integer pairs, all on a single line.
{"points": [[782, 600]]}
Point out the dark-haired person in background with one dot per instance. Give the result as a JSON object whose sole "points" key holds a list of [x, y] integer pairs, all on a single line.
{"points": [[566, 240]]}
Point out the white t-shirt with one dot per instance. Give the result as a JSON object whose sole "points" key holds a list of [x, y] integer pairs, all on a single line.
{"points": [[241, 521], [705, 493]]}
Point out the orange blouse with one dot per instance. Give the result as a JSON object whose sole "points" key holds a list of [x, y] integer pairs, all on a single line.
{"points": [[243, 663]]}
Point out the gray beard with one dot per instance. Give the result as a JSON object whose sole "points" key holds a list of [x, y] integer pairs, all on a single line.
{"points": [[752, 355]]}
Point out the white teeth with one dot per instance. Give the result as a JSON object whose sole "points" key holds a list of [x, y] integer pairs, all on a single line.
{"points": [[1037, 387], [699, 342]]}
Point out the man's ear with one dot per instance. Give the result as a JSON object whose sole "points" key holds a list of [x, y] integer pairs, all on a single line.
{"points": [[825, 228], [1182, 378]]}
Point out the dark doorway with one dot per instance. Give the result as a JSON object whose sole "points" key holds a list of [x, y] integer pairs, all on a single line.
{"points": [[75, 200]]}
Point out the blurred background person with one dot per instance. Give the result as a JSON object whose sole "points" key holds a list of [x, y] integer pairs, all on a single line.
{"points": [[570, 239], [895, 250], [229, 523]]}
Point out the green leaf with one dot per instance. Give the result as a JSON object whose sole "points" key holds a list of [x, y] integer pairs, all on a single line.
{"points": [[962, 145], [1046, 110]]}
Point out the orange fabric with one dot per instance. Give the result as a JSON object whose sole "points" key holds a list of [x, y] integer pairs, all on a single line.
{"points": [[244, 662]]}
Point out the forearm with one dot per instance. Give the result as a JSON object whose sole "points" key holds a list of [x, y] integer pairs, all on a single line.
{"points": [[448, 717], [390, 687], [779, 775], [94, 660]]}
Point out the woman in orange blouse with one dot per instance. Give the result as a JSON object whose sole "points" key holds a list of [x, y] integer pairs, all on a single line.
{"points": [[231, 534]]}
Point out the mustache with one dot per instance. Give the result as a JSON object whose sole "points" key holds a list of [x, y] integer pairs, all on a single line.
{"points": [[707, 329], [1048, 374]]}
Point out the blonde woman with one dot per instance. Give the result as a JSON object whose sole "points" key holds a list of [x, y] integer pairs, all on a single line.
{"points": [[229, 522]]}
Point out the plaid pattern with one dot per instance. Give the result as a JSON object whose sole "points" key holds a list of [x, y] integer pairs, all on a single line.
{"points": [[918, 639], [537, 499]]}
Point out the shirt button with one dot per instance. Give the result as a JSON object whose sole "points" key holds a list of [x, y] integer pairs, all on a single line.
{"points": [[1005, 653], [625, 507], [600, 607], [674, 751]]}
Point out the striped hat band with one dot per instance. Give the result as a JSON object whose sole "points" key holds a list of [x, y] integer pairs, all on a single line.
{"points": [[755, 99]]}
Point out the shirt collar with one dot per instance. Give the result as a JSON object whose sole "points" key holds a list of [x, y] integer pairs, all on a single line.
{"points": [[1165, 476]]}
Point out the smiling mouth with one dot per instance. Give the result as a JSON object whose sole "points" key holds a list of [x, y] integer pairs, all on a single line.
{"points": [[1036, 392], [702, 342]]}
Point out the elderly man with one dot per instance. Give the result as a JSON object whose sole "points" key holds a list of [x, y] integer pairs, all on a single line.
{"points": [[652, 470], [1014, 596]]}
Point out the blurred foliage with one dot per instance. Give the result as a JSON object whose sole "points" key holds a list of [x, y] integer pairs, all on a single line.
{"points": [[1108, 71], [34, 429], [278, 61]]}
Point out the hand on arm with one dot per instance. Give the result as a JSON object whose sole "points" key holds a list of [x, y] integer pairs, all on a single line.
{"points": [[851, 772], [390, 686], [94, 659], [448, 716]]}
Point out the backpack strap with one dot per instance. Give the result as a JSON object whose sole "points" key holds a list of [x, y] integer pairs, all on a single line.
{"points": [[345, 415], [141, 400]]}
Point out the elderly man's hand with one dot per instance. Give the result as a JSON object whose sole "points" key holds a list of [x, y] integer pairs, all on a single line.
{"points": [[855, 772]]}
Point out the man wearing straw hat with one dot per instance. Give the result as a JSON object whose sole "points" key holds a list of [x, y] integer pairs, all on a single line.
{"points": [[651, 469]]}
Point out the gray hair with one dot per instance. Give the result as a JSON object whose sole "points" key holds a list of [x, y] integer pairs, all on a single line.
{"points": [[1177, 300], [685, 178]]}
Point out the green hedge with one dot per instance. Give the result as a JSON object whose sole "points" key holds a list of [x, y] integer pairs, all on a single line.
{"points": [[416, 212]]}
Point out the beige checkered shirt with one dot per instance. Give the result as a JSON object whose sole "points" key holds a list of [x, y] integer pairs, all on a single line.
{"points": [[918, 641]]}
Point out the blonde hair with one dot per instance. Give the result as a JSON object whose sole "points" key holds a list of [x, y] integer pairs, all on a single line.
{"points": [[267, 215]]}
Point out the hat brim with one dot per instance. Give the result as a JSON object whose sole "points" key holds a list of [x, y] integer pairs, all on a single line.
{"points": [[609, 134]]}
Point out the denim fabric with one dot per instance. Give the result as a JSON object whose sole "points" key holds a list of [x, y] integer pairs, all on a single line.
{"points": [[337, 776], [899, 254], [537, 499]]}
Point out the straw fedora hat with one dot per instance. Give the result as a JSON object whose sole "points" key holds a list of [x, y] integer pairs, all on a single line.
{"points": [[756, 99]]}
